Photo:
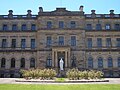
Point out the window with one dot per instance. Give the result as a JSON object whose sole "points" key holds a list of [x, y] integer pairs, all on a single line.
{"points": [[61, 24], [49, 24], [89, 42], [61, 40], [108, 42], [13, 63], [13, 45], [118, 42], [73, 61], [14, 27], [99, 42], [110, 62], [5, 27], [33, 27], [22, 63], [32, 43], [98, 27], [23, 43], [90, 62], [89, 27], [119, 62], [49, 41], [32, 63], [72, 24], [3, 62], [4, 43], [100, 62], [117, 26], [49, 62], [73, 40], [107, 26], [24, 27]]}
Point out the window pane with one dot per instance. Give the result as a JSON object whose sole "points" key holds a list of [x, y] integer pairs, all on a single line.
{"points": [[61, 24], [72, 24], [3, 62], [107, 26], [108, 42], [61, 40], [118, 42], [14, 27], [89, 27], [23, 43], [99, 42], [12, 63], [119, 62], [24, 27], [89, 42], [90, 62], [117, 26], [13, 45], [4, 43], [23, 63], [49, 41], [33, 27], [49, 24], [49, 62], [110, 62], [5, 27], [73, 40], [32, 43], [32, 63], [98, 27], [100, 62]]}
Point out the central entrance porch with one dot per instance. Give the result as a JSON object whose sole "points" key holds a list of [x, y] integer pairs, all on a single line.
{"points": [[60, 53]]}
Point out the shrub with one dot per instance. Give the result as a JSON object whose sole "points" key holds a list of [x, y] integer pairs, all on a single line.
{"points": [[38, 73]]}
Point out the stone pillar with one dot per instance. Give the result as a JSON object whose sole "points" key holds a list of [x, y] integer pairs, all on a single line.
{"points": [[56, 59], [65, 58], [69, 59], [53, 59]]}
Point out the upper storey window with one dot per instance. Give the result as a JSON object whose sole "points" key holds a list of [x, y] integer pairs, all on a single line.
{"points": [[107, 26], [5, 27], [89, 27], [14, 27], [98, 27], [72, 24], [117, 26], [33, 27], [24, 27], [61, 24], [61, 40], [49, 24]]}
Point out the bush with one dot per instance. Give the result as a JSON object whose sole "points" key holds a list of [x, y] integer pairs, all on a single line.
{"points": [[75, 74], [38, 73]]}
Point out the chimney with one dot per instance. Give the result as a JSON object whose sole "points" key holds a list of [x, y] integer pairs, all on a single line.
{"points": [[111, 11], [81, 8], [40, 9], [92, 11], [29, 13], [10, 15]]}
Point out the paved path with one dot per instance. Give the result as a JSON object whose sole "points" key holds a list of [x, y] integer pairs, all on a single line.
{"points": [[12, 81]]}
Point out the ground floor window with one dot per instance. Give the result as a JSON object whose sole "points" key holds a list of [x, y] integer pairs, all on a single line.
{"points": [[49, 62]]}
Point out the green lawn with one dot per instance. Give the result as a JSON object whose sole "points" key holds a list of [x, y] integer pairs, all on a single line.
{"points": [[59, 87]]}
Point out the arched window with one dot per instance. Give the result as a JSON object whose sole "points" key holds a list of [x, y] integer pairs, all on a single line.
{"points": [[73, 61], [13, 63], [22, 62], [119, 62], [100, 62], [110, 62], [49, 62], [3, 62], [90, 62], [32, 63]]}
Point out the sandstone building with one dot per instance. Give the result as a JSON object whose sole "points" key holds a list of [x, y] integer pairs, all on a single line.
{"points": [[85, 41]]}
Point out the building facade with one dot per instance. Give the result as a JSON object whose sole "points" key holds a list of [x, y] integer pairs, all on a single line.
{"points": [[83, 41]]}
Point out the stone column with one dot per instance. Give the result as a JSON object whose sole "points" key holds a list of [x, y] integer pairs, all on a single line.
{"points": [[53, 59], [56, 61], [65, 58], [69, 59]]}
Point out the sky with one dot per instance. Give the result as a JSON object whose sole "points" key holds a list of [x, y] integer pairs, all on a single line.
{"points": [[21, 6]]}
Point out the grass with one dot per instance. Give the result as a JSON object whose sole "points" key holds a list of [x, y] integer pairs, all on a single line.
{"points": [[60, 87]]}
